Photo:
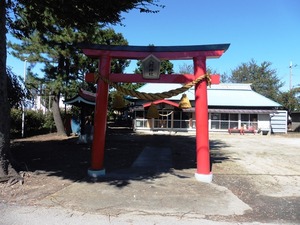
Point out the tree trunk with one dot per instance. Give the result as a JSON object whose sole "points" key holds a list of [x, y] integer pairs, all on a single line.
{"points": [[57, 116], [6, 169]]}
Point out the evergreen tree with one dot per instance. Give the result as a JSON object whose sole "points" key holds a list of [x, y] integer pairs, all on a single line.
{"points": [[79, 15], [32, 15], [290, 100], [65, 65], [263, 78], [16, 93]]}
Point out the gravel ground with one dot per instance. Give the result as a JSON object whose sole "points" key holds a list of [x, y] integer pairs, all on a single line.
{"points": [[262, 171]]}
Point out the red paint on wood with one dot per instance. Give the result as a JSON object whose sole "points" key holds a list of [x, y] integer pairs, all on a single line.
{"points": [[100, 116], [201, 111], [161, 101]]}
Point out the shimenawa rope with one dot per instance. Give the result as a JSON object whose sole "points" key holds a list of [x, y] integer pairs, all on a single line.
{"points": [[154, 96]]}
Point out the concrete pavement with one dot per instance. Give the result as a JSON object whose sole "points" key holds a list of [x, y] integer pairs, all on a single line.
{"points": [[34, 215], [139, 190]]}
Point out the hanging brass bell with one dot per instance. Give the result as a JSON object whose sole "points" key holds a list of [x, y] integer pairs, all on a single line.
{"points": [[184, 102], [118, 102], [152, 112]]}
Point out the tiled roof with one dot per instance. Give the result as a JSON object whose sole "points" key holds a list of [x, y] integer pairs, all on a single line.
{"points": [[82, 97]]}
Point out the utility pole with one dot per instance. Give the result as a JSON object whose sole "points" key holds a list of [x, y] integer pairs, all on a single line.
{"points": [[23, 104], [291, 73]]}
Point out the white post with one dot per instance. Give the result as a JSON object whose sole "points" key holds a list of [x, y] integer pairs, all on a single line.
{"points": [[23, 106], [291, 65]]}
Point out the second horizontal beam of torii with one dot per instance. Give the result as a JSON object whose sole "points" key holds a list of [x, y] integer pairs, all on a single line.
{"points": [[164, 78]]}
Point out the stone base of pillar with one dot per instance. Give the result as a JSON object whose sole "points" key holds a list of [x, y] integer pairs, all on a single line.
{"points": [[96, 173], [206, 178]]}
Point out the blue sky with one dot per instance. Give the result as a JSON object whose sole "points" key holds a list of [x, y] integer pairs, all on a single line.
{"points": [[263, 30]]}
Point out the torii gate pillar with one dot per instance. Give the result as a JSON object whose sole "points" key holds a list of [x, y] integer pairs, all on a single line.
{"points": [[203, 172], [100, 117]]}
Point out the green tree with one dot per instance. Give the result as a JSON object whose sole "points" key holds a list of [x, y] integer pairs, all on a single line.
{"points": [[225, 78], [32, 15], [16, 93], [78, 15], [263, 78], [65, 66], [290, 100]]}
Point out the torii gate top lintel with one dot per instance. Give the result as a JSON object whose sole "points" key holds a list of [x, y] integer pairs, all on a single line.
{"points": [[162, 52]]}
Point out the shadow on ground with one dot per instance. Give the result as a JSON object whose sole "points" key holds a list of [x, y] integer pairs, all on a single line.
{"points": [[68, 160], [216, 153]]}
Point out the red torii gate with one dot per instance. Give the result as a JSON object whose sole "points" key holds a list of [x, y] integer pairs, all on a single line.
{"points": [[198, 53]]}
